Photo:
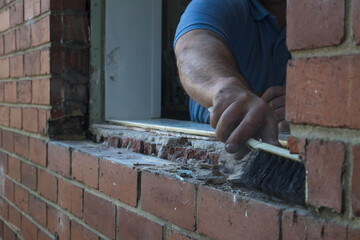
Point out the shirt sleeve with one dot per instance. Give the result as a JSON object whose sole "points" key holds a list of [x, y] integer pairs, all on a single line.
{"points": [[219, 16]]}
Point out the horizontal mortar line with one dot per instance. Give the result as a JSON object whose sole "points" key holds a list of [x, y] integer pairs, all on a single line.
{"points": [[26, 105], [27, 50], [326, 133], [8, 5], [26, 78], [23, 132], [55, 205], [10, 225], [27, 22], [325, 52]]}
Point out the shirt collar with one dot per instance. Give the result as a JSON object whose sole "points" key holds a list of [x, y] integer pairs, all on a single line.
{"points": [[258, 10]]}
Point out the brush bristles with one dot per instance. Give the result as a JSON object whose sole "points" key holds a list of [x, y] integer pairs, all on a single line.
{"points": [[275, 176]]}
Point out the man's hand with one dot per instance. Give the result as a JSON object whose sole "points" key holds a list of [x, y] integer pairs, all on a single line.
{"points": [[238, 115], [275, 97]]}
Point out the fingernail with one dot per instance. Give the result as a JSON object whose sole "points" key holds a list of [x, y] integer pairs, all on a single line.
{"points": [[232, 148]]}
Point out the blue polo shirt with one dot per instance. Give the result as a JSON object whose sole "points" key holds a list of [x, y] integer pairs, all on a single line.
{"points": [[253, 35]]}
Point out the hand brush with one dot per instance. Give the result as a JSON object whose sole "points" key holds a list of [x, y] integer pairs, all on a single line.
{"points": [[272, 170]]}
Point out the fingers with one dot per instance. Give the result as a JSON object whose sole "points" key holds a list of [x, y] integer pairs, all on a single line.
{"points": [[273, 92], [277, 102]]}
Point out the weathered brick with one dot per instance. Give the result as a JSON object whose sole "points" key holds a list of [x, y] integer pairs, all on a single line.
{"points": [[37, 209], [21, 145], [85, 168], [14, 168], [57, 66], [41, 31], [76, 32], [356, 20], [41, 91], [133, 144], [118, 181], [1, 92], [31, 9], [43, 116], [172, 235], [9, 190], [176, 201], [4, 209], [92, 211], [28, 229], [59, 159], [3, 163], [15, 117], [23, 37], [77, 60], [2, 45], [9, 234], [16, 13], [323, 25], [28, 175], [58, 223], [79, 4], [38, 151], [23, 91], [14, 217], [355, 190], [324, 166], [21, 198], [78, 231], [353, 234], [16, 66], [131, 226], [45, 5], [47, 185], [70, 198], [45, 62], [32, 63], [43, 236], [9, 41], [4, 20], [4, 116], [30, 119], [10, 92], [4, 68], [227, 216], [311, 87], [297, 226]]}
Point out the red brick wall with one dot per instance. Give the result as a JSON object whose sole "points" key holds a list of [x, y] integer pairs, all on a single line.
{"points": [[81, 190]]}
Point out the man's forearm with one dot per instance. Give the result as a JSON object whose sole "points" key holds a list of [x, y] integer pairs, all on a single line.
{"points": [[206, 65]]}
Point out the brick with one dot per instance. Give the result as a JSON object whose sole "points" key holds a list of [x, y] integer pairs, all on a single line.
{"points": [[9, 41], [16, 13], [132, 226], [8, 233], [79, 4], [77, 60], [2, 45], [15, 117], [10, 92], [59, 159], [21, 198], [4, 20], [78, 231], [172, 235], [47, 185], [0, 137], [14, 168], [314, 82], [8, 140], [4, 68], [149, 148], [24, 92], [227, 216], [41, 31], [45, 62], [32, 63], [41, 91], [323, 25], [37, 210], [1, 229], [92, 212], [43, 116], [85, 168], [28, 229], [14, 217], [176, 201], [58, 223], [353, 234], [23, 37], [297, 226], [4, 116], [43, 236], [28, 175], [324, 166], [118, 181], [70, 198], [56, 30], [30, 119], [4, 209], [355, 190], [16, 66], [356, 20], [38, 149], [3, 163], [1, 92], [9, 190], [45, 5], [57, 65], [31, 9], [21, 145], [76, 32], [134, 145]]}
